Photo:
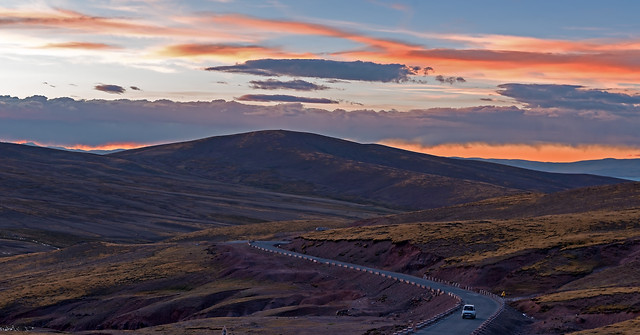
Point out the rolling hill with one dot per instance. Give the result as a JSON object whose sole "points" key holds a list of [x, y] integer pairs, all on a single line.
{"points": [[58, 197], [303, 163]]}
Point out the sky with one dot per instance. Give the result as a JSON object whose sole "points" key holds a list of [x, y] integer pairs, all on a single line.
{"points": [[539, 80]]}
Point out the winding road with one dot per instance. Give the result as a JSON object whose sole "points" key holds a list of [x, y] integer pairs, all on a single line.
{"points": [[486, 306]]}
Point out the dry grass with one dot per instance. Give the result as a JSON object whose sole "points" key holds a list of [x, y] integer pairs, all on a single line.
{"points": [[587, 293], [131, 286], [260, 231], [629, 327], [47, 278], [493, 240]]}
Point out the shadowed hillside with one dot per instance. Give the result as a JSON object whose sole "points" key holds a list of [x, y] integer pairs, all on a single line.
{"points": [[304, 163], [84, 196]]}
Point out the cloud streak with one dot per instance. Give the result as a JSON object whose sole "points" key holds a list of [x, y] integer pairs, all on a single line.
{"points": [[234, 37], [65, 19], [80, 45], [303, 28], [228, 51], [502, 56]]}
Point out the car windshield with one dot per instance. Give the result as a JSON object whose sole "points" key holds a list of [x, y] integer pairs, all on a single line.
{"points": [[468, 308]]}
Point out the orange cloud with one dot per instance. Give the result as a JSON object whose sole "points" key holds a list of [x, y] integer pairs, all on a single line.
{"points": [[302, 28], [503, 58], [610, 67], [234, 52], [80, 45], [545, 152], [68, 19], [533, 44], [494, 56]]}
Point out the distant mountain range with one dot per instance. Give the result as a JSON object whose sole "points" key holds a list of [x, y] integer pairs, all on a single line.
{"points": [[98, 152], [617, 168]]}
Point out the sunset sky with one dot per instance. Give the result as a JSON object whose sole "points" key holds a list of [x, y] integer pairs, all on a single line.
{"points": [[540, 80]]}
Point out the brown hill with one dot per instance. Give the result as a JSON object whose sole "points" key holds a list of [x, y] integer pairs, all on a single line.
{"points": [[85, 196], [304, 163], [580, 200]]}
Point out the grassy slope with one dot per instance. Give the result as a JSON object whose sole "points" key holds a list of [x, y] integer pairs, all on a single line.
{"points": [[582, 267], [166, 288], [260, 231], [629, 327], [487, 241]]}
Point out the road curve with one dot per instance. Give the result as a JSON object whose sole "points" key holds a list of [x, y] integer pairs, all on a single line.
{"points": [[487, 306]]}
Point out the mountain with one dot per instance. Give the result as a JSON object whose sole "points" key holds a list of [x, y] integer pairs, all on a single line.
{"points": [[617, 168], [60, 197], [303, 163]]}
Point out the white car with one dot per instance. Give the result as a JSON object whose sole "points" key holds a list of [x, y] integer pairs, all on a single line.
{"points": [[469, 311]]}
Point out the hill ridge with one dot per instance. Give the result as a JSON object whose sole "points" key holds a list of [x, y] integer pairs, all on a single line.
{"points": [[305, 163]]}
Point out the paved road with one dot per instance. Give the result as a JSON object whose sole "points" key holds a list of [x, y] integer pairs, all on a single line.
{"points": [[451, 325]]}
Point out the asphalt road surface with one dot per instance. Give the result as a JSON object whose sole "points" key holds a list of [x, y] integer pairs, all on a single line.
{"points": [[451, 325]]}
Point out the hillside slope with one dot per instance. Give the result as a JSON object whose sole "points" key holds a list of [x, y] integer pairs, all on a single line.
{"points": [[570, 260], [304, 163], [84, 196], [587, 199]]}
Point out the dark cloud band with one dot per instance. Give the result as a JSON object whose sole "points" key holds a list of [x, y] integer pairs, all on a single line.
{"points": [[322, 68], [298, 85], [284, 98], [571, 97], [94, 122], [113, 89]]}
